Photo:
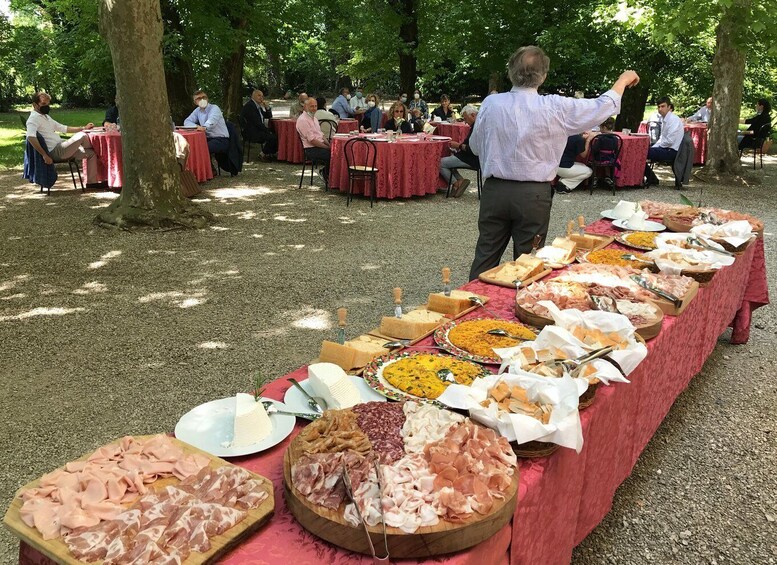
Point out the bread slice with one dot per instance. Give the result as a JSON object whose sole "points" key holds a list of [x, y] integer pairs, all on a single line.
{"points": [[412, 325]]}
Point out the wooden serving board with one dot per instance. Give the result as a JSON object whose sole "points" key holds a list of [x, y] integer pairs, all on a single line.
{"points": [[377, 333], [56, 549], [491, 276], [648, 331], [428, 541], [672, 310]]}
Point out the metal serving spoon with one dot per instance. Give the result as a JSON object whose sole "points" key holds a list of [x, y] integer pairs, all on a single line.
{"points": [[315, 402], [397, 344], [503, 333], [270, 407], [477, 300], [446, 376], [632, 257]]}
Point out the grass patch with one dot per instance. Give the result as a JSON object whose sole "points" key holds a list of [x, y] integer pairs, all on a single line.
{"points": [[12, 135]]}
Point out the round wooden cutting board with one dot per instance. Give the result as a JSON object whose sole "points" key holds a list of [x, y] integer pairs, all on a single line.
{"points": [[445, 537]]}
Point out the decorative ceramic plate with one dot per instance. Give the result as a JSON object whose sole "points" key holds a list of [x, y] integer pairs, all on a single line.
{"points": [[373, 375], [442, 337], [624, 239]]}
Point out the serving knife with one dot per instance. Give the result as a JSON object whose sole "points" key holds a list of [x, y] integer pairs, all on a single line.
{"points": [[644, 283], [397, 302], [446, 281], [342, 313]]}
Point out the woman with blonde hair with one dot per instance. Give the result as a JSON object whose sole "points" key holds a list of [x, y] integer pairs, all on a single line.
{"points": [[397, 119]]}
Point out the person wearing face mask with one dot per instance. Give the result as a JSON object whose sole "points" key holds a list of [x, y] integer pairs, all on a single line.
{"points": [[418, 103], [256, 115], [373, 115], [208, 118], [56, 149], [342, 106], [314, 143], [761, 119], [403, 98], [359, 101], [323, 116]]}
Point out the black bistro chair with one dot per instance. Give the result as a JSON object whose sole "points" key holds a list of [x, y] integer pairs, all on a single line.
{"points": [[603, 156], [313, 166], [479, 181], [246, 140], [330, 126], [756, 143], [47, 178], [360, 156]]}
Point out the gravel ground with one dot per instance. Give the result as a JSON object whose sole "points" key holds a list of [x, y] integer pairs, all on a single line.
{"points": [[106, 333]]}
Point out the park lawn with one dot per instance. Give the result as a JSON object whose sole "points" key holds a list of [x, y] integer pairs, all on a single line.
{"points": [[12, 134]]}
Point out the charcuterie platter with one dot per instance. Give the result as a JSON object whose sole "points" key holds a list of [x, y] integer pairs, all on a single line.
{"points": [[438, 491]]}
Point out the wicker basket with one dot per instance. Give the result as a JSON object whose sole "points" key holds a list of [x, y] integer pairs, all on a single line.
{"points": [[588, 397], [675, 223], [534, 449], [702, 277], [738, 249]]}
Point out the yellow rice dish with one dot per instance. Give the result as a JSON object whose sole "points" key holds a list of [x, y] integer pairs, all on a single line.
{"points": [[472, 336], [417, 374]]}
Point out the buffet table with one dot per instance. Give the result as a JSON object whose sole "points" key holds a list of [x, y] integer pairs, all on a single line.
{"points": [[698, 131], [107, 146], [457, 131], [407, 167], [563, 497]]}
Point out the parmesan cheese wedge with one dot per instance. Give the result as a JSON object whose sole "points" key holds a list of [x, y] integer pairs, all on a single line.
{"points": [[354, 353], [411, 325], [453, 305]]}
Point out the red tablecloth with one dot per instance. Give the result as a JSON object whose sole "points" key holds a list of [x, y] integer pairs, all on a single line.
{"points": [[347, 124], [107, 147], [289, 145], [405, 168], [698, 131], [458, 131], [633, 158], [563, 497]]}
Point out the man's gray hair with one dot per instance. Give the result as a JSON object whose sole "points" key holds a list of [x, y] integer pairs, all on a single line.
{"points": [[528, 67], [468, 109]]}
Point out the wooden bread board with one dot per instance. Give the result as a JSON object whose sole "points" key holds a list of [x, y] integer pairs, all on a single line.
{"points": [[57, 550], [377, 333], [491, 277], [428, 541], [672, 310], [603, 241], [648, 331]]}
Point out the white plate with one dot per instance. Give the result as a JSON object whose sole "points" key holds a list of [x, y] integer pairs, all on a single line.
{"points": [[185, 127], [297, 402], [649, 226], [210, 425], [609, 215], [441, 138]]}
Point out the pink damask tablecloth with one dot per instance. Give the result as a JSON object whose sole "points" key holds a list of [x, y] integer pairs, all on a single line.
{"points": [[347, 124], [405, 168], [698, 131], [561, 498], [457, 131], [289, 145], [633, 158], [108, 148]]}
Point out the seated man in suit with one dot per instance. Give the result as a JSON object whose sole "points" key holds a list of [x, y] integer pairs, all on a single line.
{"points": [[463, 158], [208, 118], [56, 148], [665, 149], [256, 115], [313, 141]]}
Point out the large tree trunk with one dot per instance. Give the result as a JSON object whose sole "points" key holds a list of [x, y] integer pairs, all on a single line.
{"points": [[633, 106], [151, 195], [232, 82], [495, 81], [728, 68], [408, 34]]}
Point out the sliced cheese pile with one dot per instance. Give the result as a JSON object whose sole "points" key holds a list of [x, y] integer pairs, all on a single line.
{"points": [[252, 424], [332, 384]]}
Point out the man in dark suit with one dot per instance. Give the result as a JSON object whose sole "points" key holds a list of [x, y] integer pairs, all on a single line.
{"points": [[256, 115]]}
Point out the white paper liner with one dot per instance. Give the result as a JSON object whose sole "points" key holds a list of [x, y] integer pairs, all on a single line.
{"points": [[709, 259], [735, 233]]}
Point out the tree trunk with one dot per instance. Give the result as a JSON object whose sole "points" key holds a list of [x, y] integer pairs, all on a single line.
{"points": [[408, 34], [633, 106], [151, 195], [495, 81], [728, 68], [232, 82]]}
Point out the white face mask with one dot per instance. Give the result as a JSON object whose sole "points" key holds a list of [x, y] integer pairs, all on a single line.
{"points": [[202, 103], [371, 103], [311, 114], [347, 96], [403, 99], [416, 96]]}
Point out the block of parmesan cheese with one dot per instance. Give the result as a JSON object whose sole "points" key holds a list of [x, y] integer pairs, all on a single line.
{"points": [[332, 384], [354, 353], [453, 305], [586, 241], [527, 266], [411, 325]]}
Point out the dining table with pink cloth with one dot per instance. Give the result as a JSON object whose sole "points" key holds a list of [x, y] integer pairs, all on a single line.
{"points": [[457, 131], [564, 496], [633, 158], [407, 167], [108, 148], [698, 131], [346, 125], [289, 145]]}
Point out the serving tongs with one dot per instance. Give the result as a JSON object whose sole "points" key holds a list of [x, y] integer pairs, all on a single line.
{"points": [[646, 284], [574, 366], [349, 492], [701, 243]]}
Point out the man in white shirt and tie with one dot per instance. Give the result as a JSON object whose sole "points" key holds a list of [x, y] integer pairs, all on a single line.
{"points": [[665, 149], [519, 137]]}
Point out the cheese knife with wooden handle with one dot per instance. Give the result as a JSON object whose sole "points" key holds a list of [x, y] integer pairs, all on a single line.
{"points": [[397, 302], [342, 313], [446, 281]]}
